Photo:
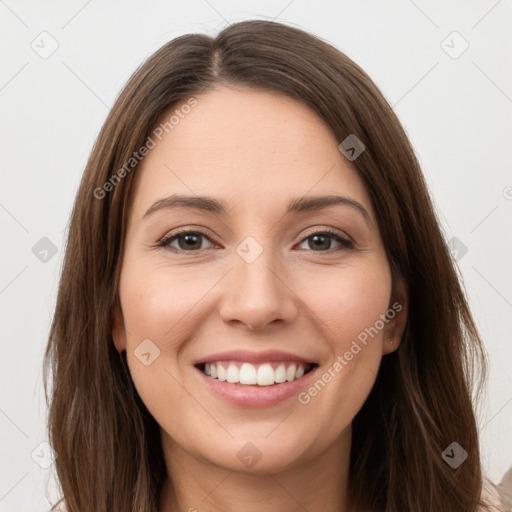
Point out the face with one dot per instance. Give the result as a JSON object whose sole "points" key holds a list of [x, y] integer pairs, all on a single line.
{"points": [[254, 285]]}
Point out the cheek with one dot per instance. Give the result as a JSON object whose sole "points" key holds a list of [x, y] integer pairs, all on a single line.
{"points": [[161, 308], [349, 302], [349, 305], [159, 303], [157, 307]]}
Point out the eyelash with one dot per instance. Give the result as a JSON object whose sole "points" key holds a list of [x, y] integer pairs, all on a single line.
{"points": [[164, 242]]}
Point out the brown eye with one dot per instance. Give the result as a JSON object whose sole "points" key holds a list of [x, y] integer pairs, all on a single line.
{"points": [[322, 241], [187, 241]]}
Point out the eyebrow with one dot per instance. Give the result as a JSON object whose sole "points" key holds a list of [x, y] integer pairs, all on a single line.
{"points": [[219, 207]]}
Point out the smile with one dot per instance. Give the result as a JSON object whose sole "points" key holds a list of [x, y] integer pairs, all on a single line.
{"points": [[269, 393], [264, 374]]}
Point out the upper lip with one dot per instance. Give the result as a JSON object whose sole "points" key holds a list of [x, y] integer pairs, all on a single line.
{"points": [[253, 357]]}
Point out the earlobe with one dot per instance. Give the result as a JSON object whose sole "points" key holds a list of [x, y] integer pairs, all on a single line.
{"points": [[118, 331], [397, 314]]}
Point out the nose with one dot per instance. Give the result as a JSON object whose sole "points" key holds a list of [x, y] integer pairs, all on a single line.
{"points": [[257, 294]]}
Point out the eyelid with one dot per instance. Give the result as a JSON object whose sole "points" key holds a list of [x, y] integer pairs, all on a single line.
{"points": [[166, 239], [332, 231], [346, 241]]}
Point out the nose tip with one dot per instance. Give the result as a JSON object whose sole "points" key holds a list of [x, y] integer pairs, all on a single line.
{"points": [[256, 296]]}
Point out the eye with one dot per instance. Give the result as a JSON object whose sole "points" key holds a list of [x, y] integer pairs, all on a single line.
{"points": [[321, 240], [191, 241], [188, 241]]}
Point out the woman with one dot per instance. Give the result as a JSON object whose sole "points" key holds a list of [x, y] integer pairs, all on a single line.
{"points": [[257, 309]]}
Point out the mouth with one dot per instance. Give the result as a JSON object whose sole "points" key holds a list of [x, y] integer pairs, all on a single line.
{"points": [[266, 374]]}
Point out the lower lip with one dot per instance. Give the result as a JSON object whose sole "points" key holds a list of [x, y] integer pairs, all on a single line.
{"points": [[256, 396]]}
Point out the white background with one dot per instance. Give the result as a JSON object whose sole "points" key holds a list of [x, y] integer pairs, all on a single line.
{"points": [[456, 111]]}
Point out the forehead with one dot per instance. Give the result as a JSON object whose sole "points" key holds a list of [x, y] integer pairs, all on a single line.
{"points": [[250, 147]]}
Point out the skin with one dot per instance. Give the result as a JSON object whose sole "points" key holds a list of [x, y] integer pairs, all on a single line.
{"points": [[256, 151]]}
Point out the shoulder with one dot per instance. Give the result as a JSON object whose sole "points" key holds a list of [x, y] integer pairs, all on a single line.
{"points": [[493, 495]]}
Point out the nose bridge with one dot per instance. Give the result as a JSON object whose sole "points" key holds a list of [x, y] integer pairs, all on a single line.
{"points": [[257, 294]]}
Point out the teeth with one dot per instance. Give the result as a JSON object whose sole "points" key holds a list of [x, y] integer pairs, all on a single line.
{"points": [[221, 373], [265, 374], [248, 374], [280, 374], [291, 372], [232, 374]]}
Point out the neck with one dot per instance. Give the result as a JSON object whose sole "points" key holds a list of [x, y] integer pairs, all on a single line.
{"points": [[318, 483]]}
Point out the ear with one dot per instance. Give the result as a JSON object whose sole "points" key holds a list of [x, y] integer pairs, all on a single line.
{"points": [[397, 315], [118, 330]]}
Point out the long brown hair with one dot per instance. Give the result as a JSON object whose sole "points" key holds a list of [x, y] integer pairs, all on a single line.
{"points": [[109, 450]]}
